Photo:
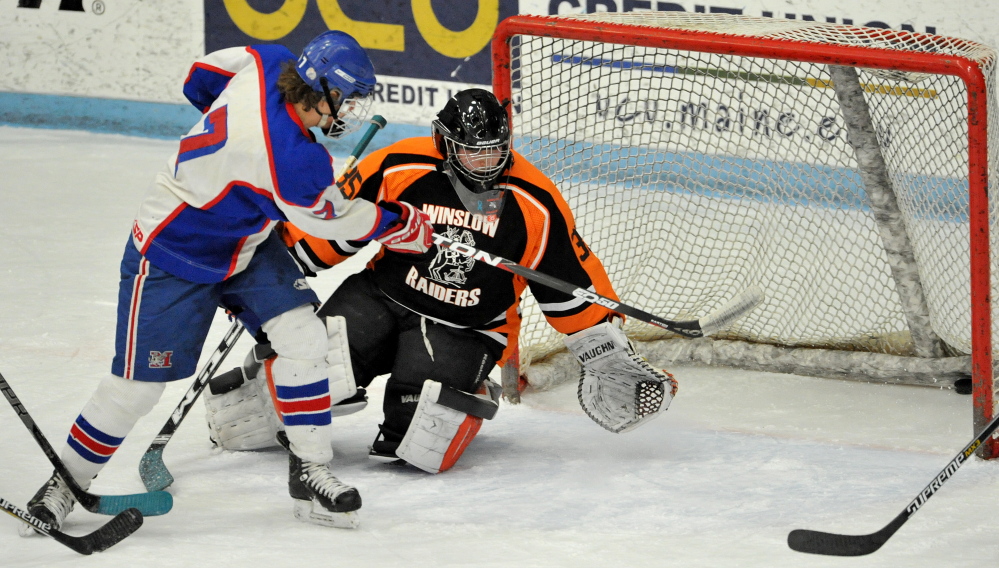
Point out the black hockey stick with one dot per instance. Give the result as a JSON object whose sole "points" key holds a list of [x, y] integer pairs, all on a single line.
{"points": [[108, 535], [154, 473], [151, 504], [816, 542], [716, 320]]}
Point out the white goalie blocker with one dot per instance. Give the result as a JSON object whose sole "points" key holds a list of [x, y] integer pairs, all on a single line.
{"points": [[238, 404], [618, 388]]}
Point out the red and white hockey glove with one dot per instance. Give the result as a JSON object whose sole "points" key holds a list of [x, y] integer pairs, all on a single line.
{"points": [[411, 234]]}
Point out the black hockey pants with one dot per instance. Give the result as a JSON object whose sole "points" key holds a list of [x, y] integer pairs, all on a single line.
{"points": [[386, 338]]}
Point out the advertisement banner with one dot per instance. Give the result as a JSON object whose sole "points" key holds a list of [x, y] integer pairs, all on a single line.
{"points": [[422, 50]]}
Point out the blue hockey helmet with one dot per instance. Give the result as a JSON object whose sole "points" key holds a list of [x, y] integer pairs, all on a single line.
{"points": [[339, 59], [334, 61]]}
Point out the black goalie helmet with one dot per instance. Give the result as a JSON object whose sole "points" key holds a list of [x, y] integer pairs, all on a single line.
{"points": [[472, 132]]}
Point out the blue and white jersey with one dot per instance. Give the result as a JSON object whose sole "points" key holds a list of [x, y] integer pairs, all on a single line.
{"points": [[249, 163]]}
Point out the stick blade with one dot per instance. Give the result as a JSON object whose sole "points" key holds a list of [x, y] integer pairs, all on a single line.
{"points": [[149, 504], [154, 473], [734, 309], [113, 532], [829, 544]]}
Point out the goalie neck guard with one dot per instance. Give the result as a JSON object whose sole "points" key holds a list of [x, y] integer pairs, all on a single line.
{"points": [[472, 133]]}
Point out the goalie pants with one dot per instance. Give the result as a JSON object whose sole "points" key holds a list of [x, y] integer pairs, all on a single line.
{"points": [[386, 338]]}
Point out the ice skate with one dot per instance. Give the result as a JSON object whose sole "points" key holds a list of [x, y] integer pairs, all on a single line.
{"points": [[51, 504], [320, 497]]}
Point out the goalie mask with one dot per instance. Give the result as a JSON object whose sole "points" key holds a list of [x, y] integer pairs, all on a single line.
{"points": [[335, 65], [472, 132]]}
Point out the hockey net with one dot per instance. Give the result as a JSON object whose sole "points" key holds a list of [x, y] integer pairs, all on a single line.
{"points": [[842, 169]]}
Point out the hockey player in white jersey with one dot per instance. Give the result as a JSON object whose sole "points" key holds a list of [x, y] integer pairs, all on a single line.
{"points": [[435, 325], [203, 238]]}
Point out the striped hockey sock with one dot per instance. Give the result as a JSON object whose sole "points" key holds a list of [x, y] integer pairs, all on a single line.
{"points": [[102, 425], [302, 398]]}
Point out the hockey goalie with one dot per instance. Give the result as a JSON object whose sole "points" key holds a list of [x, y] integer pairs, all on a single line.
{"points": [[436, 324]]}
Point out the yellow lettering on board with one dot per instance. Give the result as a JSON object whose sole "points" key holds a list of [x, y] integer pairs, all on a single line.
{"points": [[457, 44], [371, 35], [259, 25]]}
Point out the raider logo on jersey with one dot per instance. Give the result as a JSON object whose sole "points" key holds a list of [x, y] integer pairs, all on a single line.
{"points": [[446, 270], [449, 267]]}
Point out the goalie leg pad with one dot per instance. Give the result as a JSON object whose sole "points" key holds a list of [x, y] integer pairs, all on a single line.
{"points": [[240, 409], [343, 387], [342, 383], [618, 388], [242, 418], [438, 434]]}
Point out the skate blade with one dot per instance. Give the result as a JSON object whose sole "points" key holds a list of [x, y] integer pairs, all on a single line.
{"points": [[304, 511], [381, 458]]}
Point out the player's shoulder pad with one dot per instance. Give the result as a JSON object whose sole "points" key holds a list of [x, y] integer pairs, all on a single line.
{"points": [[418, 149], [273, 51], [528, 177]]}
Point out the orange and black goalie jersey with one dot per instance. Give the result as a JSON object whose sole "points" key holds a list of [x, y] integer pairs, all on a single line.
{"points": [[535, 229]]}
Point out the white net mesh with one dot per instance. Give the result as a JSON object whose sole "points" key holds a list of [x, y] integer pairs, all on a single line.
{"points": [[695, 175]]}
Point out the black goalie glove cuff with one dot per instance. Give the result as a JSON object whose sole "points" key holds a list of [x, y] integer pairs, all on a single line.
{"points": [[618, 388]]}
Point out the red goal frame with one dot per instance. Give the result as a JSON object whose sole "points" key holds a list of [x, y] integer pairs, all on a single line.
{"points": [[966, 69]]}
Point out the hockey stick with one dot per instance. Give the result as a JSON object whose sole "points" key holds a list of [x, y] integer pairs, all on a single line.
{"points": [[154, 473], [151, 504], [108, 535], [731, 311], [816, 542], [377, 123]]}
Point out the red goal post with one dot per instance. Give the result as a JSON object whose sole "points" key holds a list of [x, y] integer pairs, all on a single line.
{"points": [[900, 58]]}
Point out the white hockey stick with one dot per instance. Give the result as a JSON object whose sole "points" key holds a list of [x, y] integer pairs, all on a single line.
{"points": [[716, 320]]}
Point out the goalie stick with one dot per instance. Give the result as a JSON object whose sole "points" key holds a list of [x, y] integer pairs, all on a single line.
{"points": [[157, 503], [108, 535], [153, 471], [831, 544], [716, 320]]}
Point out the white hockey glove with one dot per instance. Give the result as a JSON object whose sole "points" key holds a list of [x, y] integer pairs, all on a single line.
{"points": [[239, 407], [413, 232], [618, 388]]}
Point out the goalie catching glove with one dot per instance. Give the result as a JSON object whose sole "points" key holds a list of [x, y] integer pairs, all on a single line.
{"points": [[618, 388]]}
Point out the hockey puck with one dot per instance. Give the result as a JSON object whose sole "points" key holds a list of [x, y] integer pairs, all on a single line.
{"points": [[963, 386]]}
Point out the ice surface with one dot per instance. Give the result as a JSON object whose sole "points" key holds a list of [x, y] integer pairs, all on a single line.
{"points": [[739, 460]]}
